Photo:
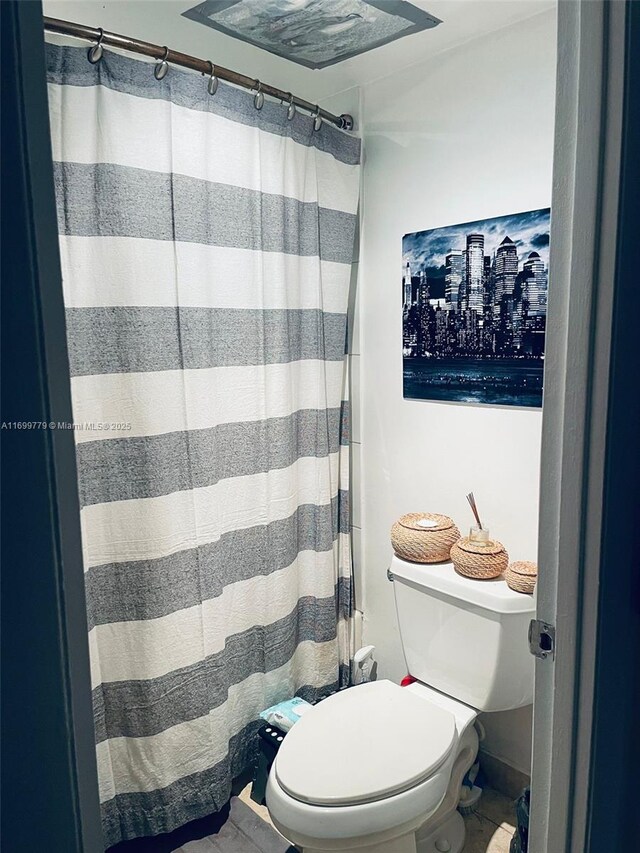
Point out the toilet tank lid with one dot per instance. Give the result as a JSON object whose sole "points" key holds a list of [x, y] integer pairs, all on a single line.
{"points": [[492, 594]]}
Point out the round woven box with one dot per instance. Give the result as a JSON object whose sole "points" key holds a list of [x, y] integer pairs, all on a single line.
{"points": [[424, 537], [522, 576], [479, 561]]}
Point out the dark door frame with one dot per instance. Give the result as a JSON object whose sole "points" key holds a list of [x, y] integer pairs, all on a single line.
{"points": [[49, 777], [613, 820]]}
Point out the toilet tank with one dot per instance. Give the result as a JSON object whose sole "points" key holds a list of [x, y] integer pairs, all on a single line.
{"points": [[466, 638]]}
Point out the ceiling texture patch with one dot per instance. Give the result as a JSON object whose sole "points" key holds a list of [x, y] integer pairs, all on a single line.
{"points": [[313, 33]]}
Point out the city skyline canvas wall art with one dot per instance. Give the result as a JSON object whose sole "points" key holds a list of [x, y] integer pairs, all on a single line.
{"points": [[474, 310]]}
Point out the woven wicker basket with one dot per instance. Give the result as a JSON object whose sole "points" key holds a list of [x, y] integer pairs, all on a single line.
{"points": [[521, 576], [479, 561], [424, 537]]}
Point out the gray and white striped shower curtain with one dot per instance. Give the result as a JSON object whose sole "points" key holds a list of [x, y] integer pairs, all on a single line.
{"points": [[206, 250]]}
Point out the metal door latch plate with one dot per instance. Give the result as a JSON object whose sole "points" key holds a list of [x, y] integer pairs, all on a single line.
{"points": [[542, 639]]}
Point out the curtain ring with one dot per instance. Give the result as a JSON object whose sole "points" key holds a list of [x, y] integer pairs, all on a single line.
{"points": [[162, 66], [317, 119], [291, 109], [258, 100], [95, 52], [212, 85]]}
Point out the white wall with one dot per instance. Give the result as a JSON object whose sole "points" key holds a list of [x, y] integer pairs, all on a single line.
{"points": [[466, 135]]}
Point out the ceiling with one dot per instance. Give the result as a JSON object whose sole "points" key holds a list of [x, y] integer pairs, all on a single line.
{"points": [[161, 21]]}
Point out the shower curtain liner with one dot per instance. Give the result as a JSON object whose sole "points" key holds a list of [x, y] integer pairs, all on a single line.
{"points": [[206, 251]]}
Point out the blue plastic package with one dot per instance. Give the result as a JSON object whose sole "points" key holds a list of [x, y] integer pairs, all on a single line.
{"points": [[286, 714]]}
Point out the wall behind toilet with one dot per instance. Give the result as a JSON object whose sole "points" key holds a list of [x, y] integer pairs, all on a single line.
{"points": [[464, 136]]}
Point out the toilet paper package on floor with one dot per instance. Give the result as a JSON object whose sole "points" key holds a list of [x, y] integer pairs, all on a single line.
{"points": [[286, 714]]}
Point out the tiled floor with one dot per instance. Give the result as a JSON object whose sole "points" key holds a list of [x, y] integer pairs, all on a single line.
{"points": [[489, 830], [244, 832], [245, 796], [491, 827]]}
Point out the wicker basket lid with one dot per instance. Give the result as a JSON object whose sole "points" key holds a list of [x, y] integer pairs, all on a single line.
{"points": [[524, 567], [425, 522], [494, 547]]}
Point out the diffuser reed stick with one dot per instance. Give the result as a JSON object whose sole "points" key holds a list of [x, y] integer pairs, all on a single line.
{"points": [[474, 509]]}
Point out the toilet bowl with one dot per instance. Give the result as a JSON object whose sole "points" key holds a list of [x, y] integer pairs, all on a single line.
{"points": [[368, 766], [378, 767]]}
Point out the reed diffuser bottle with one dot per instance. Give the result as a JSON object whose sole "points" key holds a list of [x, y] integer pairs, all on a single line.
{"points": [[477, 555], [478, 533]]}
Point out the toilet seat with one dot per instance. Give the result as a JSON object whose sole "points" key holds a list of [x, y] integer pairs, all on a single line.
{"points": [[364, 745]]}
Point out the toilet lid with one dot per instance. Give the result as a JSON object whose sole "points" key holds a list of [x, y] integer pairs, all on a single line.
{"points": [[364, 744]]}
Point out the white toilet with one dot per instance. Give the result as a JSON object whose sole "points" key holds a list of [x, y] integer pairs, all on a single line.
{"points": [[378, 768]]}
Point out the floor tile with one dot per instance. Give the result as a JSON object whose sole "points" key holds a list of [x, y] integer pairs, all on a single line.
{"points": [[244, 832], [498, 808], [483, 836], [261, 811]]}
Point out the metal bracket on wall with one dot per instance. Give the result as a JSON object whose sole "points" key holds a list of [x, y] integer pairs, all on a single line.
{"points": [[346, 122]]}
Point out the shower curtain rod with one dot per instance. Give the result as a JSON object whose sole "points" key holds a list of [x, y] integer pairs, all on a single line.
{"points": [[204, 66]]}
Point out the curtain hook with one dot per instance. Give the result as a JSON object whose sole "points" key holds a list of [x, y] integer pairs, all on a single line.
{"points": [[162, 66], [317, 119], [258, 100], [95, 52], [212, 85], [291, 109]]}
